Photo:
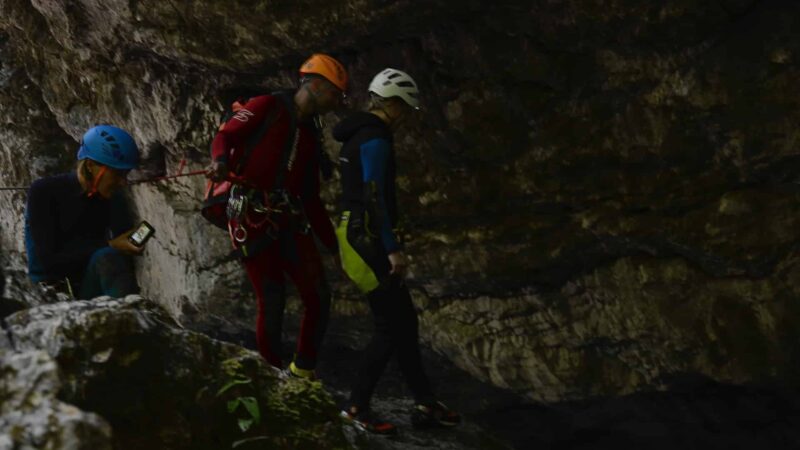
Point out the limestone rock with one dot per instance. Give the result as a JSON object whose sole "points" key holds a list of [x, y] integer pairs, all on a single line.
{"points": [[623, 328], [31, 415], [157, 385]]}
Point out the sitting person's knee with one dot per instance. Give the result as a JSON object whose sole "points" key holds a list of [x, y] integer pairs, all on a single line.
{"points": [[109, 262]]}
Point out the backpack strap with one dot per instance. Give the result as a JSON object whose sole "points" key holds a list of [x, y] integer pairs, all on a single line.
{"points": [[325, 163], [289, 146], [255, 138]]}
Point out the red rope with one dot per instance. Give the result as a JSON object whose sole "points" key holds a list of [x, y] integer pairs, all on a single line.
{"points": [[168, 177], [147, 180], [232, 178]]}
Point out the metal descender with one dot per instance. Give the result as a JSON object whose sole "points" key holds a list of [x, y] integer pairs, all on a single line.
{"points": [[236, 211], [242, 201]]}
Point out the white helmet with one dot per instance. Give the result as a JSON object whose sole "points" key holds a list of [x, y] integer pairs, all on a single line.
{"points": [[395, 83]]}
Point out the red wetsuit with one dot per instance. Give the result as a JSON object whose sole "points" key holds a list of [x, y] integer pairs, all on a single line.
{"points": [[294, 252]]}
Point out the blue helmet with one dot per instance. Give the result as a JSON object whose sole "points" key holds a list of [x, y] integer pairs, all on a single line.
{"points": [[110, 146]]}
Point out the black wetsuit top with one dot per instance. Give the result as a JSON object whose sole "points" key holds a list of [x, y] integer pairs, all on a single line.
{"points": [[63, 227], [368, 174]]}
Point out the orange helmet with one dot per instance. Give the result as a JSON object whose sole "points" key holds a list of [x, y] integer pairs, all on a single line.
{"points": [[327, 67]]}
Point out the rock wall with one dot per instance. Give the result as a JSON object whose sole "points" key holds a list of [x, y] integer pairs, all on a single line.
{"points": [[597, 193], [157, 385], [32, 417]]}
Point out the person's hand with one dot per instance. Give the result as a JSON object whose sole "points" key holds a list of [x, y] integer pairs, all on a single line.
{"points": [[217, 171], [398, 262], [122, 244]]}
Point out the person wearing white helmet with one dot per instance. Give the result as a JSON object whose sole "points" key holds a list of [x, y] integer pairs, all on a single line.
{"points": [[372, 255], [393, 95]]}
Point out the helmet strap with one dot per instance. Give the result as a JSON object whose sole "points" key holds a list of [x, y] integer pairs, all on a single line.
{"points": [[313, 95], [96, 182], [392, 119], [313, 89]]}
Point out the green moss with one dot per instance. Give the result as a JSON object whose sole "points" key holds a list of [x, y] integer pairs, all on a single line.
{"points": [[294, 413]]}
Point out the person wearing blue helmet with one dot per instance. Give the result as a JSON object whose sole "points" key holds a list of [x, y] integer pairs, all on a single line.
{"points": [[77, 224]]}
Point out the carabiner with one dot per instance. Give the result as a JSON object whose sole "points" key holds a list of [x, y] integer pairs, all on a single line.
{"points": [[240, 234]]}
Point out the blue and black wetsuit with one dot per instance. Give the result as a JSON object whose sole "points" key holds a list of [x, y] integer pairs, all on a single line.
{"points": [[366, 238], [66, 236], [369, 206]]}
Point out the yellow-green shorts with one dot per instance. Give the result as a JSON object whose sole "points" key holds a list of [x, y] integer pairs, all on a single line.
{"points": [[363, 258]]}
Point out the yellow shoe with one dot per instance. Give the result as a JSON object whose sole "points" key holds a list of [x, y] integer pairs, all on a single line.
{"points": [[301, 373]]}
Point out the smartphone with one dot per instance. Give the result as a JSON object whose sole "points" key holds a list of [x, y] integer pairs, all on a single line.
{"points": [[144, 232]]}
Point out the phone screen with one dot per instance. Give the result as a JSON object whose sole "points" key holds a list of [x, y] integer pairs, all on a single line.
{"points": [[140, 236]]}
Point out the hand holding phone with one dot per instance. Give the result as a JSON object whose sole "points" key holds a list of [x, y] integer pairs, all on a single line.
{"points": [[142, 234]]}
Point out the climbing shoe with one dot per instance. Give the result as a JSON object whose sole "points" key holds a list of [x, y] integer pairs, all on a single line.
{"points": [[433, 415], [365, 421], [297, 372]]}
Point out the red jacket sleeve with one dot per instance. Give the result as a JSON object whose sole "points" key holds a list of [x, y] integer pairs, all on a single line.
{"points": [[243, 123], [315, 210]]}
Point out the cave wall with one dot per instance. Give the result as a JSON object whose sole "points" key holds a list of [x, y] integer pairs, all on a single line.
{"points": [[597, 193]]}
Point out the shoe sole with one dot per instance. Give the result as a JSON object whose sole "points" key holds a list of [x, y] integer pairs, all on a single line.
{"points": [[361, 427]]}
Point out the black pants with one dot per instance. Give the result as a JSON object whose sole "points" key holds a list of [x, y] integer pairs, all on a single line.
{"points": [[396, 333]]}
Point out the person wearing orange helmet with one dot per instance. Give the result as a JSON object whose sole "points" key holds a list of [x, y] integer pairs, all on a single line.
{"points": [[271, 147]]}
